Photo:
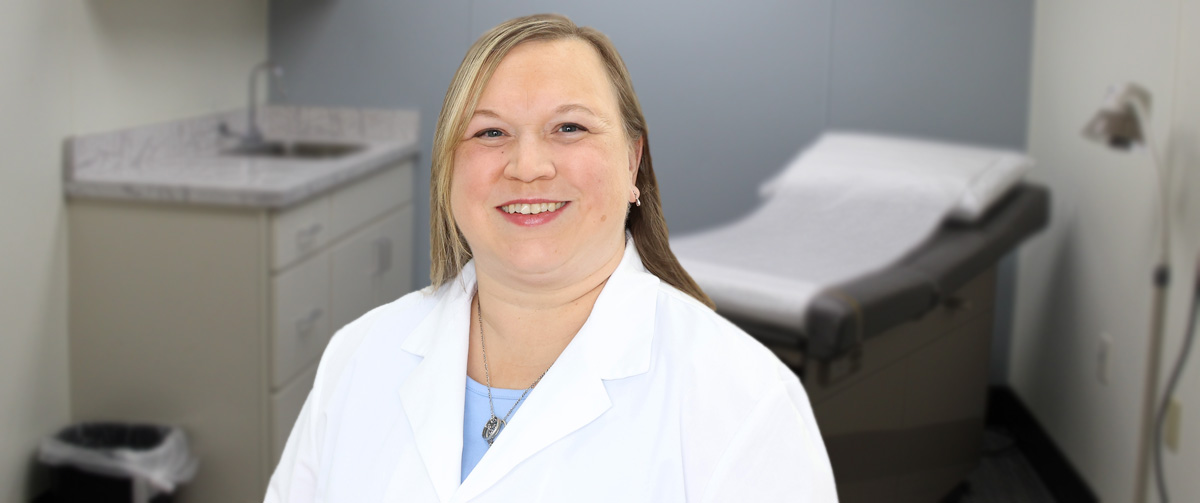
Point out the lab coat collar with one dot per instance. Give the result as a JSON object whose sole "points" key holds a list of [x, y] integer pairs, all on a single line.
{"points": [[614, 343]]}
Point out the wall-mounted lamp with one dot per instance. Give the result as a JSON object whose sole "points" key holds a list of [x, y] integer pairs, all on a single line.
{"points": [[1123, 122]]}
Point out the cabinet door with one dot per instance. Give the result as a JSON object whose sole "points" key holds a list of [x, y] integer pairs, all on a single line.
{"points": [[373, 266], [395, 239], [285, 408], [355, 261]]}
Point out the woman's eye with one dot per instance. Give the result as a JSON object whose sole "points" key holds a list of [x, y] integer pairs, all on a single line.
{"points": [[489, 133], [571, 128]]}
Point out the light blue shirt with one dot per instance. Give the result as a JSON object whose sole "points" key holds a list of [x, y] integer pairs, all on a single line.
{"points": [[476, 414]]}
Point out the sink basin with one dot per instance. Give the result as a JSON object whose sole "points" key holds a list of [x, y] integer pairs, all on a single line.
{"points": [[296, 150]]}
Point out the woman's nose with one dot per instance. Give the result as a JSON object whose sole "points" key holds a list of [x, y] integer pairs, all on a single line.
{"points": [[530, 160]]}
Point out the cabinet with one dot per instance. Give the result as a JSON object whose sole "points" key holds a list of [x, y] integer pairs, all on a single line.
{"points": [[214, 318]]}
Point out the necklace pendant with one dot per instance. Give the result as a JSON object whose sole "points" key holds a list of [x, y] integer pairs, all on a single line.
{"points": [[492, 428]]}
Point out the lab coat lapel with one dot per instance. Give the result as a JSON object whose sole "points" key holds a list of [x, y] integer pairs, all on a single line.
{"points": [[614, 343], [563, 404], [433, 394]]}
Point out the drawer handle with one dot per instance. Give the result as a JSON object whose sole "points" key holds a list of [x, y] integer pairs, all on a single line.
{"points": [[307, 237], [305, 325], [383, 256]]}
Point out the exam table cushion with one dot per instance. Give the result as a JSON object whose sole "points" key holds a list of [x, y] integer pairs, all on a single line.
{"points": [[981, 175], [851, 205], [843, 315]]}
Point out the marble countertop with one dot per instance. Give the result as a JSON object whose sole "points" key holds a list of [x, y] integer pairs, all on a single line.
{"points": [[183, 161]]}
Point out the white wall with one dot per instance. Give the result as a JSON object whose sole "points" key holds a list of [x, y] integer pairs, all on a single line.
{"points": [[73, 67], [33, 317], [135, 62], [1088, 276]]}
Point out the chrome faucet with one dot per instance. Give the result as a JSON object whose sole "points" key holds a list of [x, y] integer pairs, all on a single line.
{"points": [[253, 136]]}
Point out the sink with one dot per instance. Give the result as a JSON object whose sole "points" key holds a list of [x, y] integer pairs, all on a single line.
{"points": [[296, 150]]}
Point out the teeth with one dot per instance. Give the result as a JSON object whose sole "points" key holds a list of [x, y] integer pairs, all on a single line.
{"points": [[531, 209]]}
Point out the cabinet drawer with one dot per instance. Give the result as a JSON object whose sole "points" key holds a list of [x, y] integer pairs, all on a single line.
{"points": [[301, 317], [298, 231], [370, 197], [285, 408]]}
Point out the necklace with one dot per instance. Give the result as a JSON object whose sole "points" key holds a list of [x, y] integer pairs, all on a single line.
{"points": [[495, 424]]}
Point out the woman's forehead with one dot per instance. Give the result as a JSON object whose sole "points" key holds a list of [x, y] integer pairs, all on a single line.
{"points": [[546, 76]]}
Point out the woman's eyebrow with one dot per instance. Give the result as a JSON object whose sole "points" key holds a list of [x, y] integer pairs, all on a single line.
{"points": [[573, 107], [562, 109]]}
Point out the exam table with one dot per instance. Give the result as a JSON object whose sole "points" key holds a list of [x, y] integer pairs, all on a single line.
{"points": [[896, 362]]}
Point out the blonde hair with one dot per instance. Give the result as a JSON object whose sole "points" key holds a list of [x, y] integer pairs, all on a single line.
{"points": [[449, 251]]}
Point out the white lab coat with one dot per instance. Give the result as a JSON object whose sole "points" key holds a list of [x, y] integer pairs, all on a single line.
{"points": [[656, 399]]}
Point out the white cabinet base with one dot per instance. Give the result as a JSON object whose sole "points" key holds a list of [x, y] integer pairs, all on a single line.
{"points": [[213, 318]]}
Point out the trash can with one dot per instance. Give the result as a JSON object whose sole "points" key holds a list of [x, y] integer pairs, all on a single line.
{"points": [[116, 462]]}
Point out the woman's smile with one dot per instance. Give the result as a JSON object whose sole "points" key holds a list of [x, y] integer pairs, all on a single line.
{"points": [[531, 212]]}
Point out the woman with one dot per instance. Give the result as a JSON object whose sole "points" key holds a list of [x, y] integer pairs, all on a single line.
{"points": [[562, 353]]}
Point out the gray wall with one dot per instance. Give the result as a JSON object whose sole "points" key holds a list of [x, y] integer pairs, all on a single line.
{"points": [[731, 90]]}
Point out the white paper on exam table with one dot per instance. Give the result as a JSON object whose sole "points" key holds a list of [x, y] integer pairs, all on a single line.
{"points": [[848, 206]]}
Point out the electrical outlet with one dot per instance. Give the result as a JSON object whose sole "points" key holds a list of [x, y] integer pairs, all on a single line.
{"points": [[1103, 357], [1172, 424]]}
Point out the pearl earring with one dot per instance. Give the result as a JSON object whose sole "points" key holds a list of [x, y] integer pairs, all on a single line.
{"points": [[637, 196]]}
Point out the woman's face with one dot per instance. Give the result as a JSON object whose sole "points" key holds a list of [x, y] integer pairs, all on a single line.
{"points": [[544, 173]]}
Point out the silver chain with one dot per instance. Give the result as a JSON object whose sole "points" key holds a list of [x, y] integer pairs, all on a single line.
{"points": [[495, 424]]}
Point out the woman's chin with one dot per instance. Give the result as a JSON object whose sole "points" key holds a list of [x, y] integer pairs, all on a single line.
{"points": [[549, 261], [534, 267]]}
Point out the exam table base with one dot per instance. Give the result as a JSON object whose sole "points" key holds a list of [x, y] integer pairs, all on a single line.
{"points": [[903, 417]]}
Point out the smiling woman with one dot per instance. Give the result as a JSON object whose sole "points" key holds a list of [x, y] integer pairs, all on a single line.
{"points": [[614, 113], [560, 145], [561, 353]]}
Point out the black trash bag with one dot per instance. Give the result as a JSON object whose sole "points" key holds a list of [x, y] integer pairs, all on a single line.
{"points": [[88, 460]]}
